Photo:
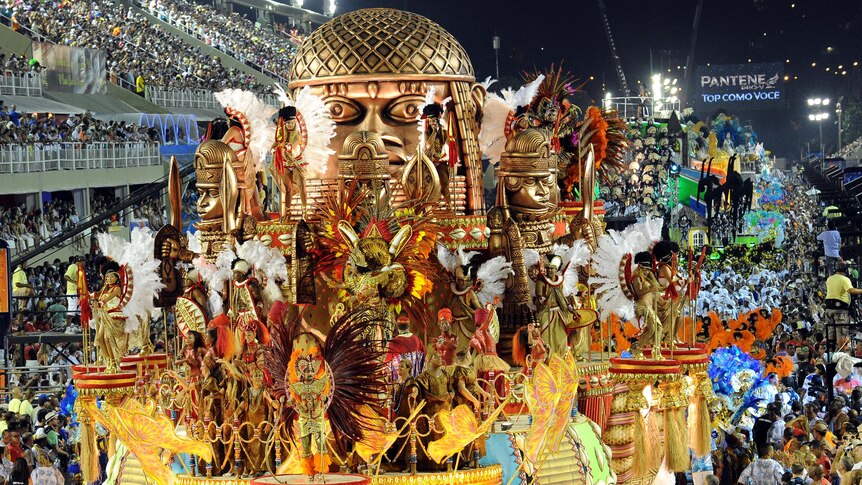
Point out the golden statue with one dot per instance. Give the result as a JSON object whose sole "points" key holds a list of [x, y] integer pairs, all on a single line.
{"points": [[112, 341], [646, 290], [672, 301], [555, 311], [526, 191], [373, 68], [427, 175], [288, 169]]}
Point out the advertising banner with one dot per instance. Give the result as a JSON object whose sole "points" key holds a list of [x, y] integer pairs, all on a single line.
{"points": [[72, 69], [740, 86]]}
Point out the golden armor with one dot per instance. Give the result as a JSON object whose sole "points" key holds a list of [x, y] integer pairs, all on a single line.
{"points": [[646, 291], [373, 67]]}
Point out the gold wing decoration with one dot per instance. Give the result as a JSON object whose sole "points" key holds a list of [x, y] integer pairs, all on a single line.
{"points": [[146, 433], [566, 374], [378, 438], [460, 428], [542, 395]]}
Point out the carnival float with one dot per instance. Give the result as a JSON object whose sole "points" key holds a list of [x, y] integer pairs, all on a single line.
{"points": [[351, 310]]}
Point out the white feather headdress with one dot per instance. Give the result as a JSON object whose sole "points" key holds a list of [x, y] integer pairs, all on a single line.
{"points": [[649, 230], [215, 276], [258, 114], [612, 248], [137, 258], [453, 259], [491, 278], [267, 260], [495, 112], [574, 258], [318, 124]]}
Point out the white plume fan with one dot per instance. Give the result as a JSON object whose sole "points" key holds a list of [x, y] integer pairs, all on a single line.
{"points": [[491, 278], [267, 260], [259, 115], [574, 258], [612, 248], [453, 259], [215, 276], [496, 110], [319, 127], [137, 258]]}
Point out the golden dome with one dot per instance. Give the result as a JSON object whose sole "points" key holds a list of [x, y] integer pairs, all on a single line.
{"points": [[377, 43]]}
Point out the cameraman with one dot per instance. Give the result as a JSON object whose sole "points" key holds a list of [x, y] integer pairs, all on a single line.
{"points": [[839, 288]]}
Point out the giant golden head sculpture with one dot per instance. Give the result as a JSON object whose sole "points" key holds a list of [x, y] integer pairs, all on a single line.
{"points": [[373, 67]]}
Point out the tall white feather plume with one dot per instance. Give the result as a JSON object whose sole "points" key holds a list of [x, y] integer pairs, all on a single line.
{"points": [[612, 248], [495, 111], [524, 95], [649, 230], [267, 260], [259, 115], [453, 259], [487, 83], [491, 277], [531, 258], [321, 130], [578, 255], [215, 276], [281, 94], [492, 135], [194, 242], [137, 257]]}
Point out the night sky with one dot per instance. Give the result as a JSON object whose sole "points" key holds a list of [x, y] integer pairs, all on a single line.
{"points": [[535, 34]]}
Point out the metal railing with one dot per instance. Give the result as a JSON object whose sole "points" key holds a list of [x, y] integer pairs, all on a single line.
{"points": [[21, 84], [30, 158], [192, 98], [641, 106]]}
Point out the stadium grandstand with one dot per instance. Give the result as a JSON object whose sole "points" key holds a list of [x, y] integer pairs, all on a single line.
{"points": [[96, 97]]}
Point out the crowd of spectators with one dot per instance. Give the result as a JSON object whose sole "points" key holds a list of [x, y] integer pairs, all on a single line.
{"points": [[19, 64], [20, 128], [232, 34], [24, 229], [39, 439], [139, 52], [804, 426]]}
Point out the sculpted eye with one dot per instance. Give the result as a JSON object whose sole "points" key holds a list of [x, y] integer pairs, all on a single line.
{"points": [[344, 110], [404, 109]]}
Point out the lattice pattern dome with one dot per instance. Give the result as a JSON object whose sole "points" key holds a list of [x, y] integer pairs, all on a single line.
{"points": [[380, 42]]}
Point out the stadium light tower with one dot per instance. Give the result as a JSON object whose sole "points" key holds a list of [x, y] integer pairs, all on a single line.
{"points": [[819, 116]]}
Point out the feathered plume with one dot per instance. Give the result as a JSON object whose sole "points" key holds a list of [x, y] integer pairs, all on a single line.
{"points": [[574, 258], [495, 114], [491, 277], [142, 272], [612, 248], [215, 276], [258, 125], [320, 127], [487, 83], [266, 259], [194, 242], [649, 230], [453, 259], [524, 95]]}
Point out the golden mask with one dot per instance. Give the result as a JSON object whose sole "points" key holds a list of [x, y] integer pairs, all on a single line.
{"points": [[209, 161], [527, 175]]}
